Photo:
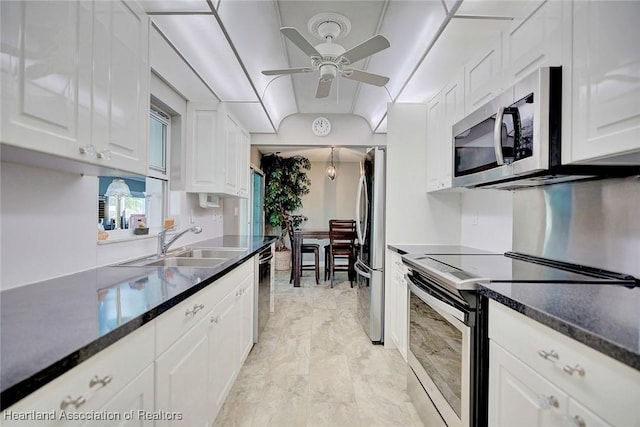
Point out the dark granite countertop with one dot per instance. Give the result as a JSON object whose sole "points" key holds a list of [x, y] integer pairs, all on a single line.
{"points": [[47, 328], [403, 249], [603, 317]]}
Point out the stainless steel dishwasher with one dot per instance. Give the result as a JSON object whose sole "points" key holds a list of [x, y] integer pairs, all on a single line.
{"points": [[263, 295]]}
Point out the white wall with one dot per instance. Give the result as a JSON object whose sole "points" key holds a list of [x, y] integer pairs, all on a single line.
{"points": [[413, 216], [330, 199], [346, 130], [487, 219]]}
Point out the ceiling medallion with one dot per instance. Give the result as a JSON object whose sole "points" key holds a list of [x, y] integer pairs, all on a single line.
{"points": [[341, 28]]}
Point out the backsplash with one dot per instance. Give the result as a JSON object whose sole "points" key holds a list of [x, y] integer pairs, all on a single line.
{"points": [[595, 223], [49, 223]]}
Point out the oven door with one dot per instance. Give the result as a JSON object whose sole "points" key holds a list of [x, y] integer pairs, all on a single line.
{"points": [[440, 352]]}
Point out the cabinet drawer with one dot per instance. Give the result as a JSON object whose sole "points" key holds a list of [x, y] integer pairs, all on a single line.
{"points": [[178, 320], [93, 383], [598, 382]]}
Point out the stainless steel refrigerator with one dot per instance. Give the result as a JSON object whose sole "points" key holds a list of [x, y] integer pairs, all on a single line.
{"points": [[370, 205]]}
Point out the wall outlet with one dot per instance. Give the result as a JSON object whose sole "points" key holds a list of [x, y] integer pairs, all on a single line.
{"points": [[474, 218], [217, 218]]}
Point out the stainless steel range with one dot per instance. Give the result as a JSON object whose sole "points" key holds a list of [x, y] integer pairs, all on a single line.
{"points": [[447, 325]]}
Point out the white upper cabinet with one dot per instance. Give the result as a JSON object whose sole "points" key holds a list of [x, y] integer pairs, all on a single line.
{"points": [[537, 39], [76, 81], [46, 76], [605, 85], [121, 83], [444, 111], [483, 76], [217, 151]]}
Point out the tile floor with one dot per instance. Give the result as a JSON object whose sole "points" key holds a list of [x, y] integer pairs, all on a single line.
{"points": [[315, 366]]}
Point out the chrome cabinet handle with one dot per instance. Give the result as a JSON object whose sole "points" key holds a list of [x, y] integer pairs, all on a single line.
{"points": [[214, 319], [102, 381], [551, 354], [196, 308], [574, 369], [70, 401]]}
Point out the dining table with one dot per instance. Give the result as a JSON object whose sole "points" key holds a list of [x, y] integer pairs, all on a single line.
{"points": [[299, 235]]}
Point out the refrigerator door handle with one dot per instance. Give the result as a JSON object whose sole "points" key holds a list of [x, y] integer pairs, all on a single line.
{"points": [[359, 229], [358, 267]]}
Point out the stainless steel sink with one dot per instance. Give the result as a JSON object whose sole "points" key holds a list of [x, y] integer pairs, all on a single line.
{"points": [[212, 253], [186, 262], [198, 257]]}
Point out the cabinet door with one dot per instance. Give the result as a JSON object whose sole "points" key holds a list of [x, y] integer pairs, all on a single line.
{"points": [[246, 296], [121, 84], [202, 148], [483, 77], [453, 111], [46, 75], [434, 141], [231, 143], [137, 399], [518, 396], [181, 378], [536, 40], [579, 416], [224, 333], [244, 148], [606, 80]]}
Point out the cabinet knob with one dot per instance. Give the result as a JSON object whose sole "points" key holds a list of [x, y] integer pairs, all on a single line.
{"points": [[70, 401], [196, 308], [547, 402], [88, 149], [577, 369], [104, 154], [578, 421], [551, 354]]}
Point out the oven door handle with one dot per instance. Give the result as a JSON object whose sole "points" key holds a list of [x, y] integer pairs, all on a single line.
{"points": [[434, 302], [267, 259]]}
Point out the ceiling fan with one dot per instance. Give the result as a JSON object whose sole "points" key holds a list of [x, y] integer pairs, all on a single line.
{"points": [[330, 58]]}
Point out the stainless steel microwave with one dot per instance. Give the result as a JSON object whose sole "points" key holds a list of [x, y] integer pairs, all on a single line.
{"points": [[514, 140]]}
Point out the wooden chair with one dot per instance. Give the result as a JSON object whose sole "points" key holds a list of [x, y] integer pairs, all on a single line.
{"points": [[342, 236], [306, 248]]}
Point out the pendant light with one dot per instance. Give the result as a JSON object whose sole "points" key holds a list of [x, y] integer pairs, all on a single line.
{"points": [[118, 189], [331, 170]]}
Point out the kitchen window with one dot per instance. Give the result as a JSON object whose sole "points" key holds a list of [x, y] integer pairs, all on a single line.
{"points": [[148, 193]]}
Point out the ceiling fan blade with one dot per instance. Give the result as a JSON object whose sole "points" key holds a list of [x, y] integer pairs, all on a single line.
{"points": [[286, 71], [367, 48], [324, 88], [365, 77], [298, 39]]}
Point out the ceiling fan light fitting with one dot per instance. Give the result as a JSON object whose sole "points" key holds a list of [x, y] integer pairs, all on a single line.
{"points": [[328, 72]]}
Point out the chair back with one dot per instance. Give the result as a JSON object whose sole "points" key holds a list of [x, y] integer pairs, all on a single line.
{"points": [[289, 225], [342, 232]]}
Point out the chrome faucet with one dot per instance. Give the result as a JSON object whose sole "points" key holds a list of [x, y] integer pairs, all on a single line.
{"points": [[163, 245]]}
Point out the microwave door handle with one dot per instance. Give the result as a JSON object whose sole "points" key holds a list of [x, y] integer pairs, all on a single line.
{"points": [[497, 136]]}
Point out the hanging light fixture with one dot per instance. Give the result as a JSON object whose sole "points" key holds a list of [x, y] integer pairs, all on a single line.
{"points": [[118, 189], [331, 170]]}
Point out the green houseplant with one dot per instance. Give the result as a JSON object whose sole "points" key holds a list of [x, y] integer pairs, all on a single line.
{"points": [[286, 181]]}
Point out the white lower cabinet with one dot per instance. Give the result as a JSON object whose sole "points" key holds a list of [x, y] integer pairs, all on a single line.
{"points": [[110, 384], [181, 378], [539, 377], [195, 374], [206, 340], [397, 308], [134, 403], [223, 340]]}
